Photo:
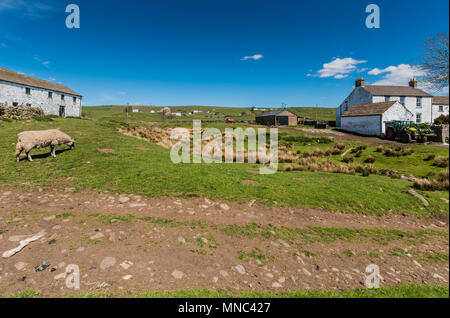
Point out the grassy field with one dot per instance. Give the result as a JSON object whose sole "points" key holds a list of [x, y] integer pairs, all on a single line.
{"points": [[129, 170], [402, 291]]}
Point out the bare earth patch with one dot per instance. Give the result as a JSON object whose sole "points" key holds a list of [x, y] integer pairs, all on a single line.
{"points": [[251, 182], [106, 150], [127, 242]]}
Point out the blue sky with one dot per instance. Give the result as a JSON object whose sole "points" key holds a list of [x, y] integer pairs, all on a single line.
{"points": [[217, 52]]}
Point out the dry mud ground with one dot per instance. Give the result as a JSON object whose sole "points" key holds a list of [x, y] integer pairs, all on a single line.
{"points": [[130, 243]]}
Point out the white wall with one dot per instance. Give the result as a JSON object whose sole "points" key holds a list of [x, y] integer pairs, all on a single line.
{"points": [[15, 93], [375, 125], [358, 96], [436, 113], [396, 112], [364, 125], [410, 104]]}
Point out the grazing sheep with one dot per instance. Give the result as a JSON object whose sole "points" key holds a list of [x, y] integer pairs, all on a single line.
{"points": [[28, 140]]}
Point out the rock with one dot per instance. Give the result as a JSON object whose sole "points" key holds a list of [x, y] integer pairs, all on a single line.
{"points": [[240, 269], [48, 218], [223, 273], [59, 276], [281, 280], [177, 274], [276, 285], [19, 266], [215, 279], [250, 204], [22, 244], [181, 240], [41, 267], [224, 206], [307, 273], [107, 262], [137, 205], [97, 236], [124, 199], [417, 195], [127, 277]]}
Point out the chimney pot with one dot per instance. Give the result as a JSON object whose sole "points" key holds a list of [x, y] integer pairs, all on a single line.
{"points": [[413, 83]]}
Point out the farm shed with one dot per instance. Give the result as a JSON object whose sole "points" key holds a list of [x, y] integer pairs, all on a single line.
{"points": [[278, 118], [54, 99], [369, 119]]}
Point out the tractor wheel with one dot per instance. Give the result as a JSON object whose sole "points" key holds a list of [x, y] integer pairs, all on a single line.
{"points": [[390, 133], [405, 138]]}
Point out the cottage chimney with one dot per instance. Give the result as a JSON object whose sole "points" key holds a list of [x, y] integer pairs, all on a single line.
{"points": [[359, 82], [413, 83]]}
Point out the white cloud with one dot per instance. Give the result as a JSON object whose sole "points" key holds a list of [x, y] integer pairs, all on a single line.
{"points": [[252, 57], [46, 63], [397, 75], [339, 68], [28, 8], [52, 79]]}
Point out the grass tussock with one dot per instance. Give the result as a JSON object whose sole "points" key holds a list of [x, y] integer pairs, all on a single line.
{"points": [[441, 162]]}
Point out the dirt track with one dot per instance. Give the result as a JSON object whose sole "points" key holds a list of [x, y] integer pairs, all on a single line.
{"points": [[184, 245]]}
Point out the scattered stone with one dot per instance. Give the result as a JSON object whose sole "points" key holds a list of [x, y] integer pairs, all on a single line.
{"points": [[281, 280], [307, 273], [97, 236], [177, 274], [107, 262], [126, 264], [419, 196], [59, 276], [22, 244], [127, 277], [52, 242], [215, 279], [276, 285], [124, 200], [223, 273], [240, 269], [224, 206], [181, 240], [41, 267], [19, 266]]}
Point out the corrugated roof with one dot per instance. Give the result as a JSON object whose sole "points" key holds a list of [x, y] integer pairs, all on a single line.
{"points": [[275, 113], [385, 90], [13, 77], [440, 100], [368, 109]]}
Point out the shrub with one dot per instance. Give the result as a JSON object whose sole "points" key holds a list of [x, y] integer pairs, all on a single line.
{"points": [[339, 146], [431, 185], [348, 159], [370, 159], [442, 120], [336, 152], [430, 157], [318, 152], [441, 162], [379, 149]]}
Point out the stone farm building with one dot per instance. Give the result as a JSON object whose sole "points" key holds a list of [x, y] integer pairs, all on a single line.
{"points": [[440, 106], [54, 99], [277, 118], [368, 107]]}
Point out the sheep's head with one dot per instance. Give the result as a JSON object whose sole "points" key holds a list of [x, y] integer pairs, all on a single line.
{"points": [[71, 144]]}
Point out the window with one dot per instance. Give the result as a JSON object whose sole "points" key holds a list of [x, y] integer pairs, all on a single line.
{"points": [[418, 118], [15, 104], [62, 97], [28, 91], [387, 98], [50, 94], [402, 100], [74, 99], [419, 102], [441, 108]]}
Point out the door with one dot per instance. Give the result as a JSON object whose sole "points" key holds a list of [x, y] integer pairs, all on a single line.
{"points": [[62, 111]]}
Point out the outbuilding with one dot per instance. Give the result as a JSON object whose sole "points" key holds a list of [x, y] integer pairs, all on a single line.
{"points": [[277, 118], [370, 119]]}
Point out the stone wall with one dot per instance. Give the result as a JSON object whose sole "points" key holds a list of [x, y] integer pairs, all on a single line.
{"points": [[442, 133]]}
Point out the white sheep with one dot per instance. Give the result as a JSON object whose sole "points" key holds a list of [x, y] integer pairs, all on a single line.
{"points": [[28, 140]]}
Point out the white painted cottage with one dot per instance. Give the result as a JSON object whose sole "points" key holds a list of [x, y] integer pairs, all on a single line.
{"points": [[415, 100], [54, 99], [369, 119], [440, 106]]}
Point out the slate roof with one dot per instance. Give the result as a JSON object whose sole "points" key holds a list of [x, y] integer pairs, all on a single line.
{"points": [[276, 113], [385, 90], [368, 109], [16, 78], [440, 100]]}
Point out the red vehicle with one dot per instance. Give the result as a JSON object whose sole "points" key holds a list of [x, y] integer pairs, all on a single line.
{"points": [[229, 120]]}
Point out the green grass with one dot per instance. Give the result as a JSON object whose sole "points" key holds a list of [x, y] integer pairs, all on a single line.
{"points": [[151, 173], [401, 291]]}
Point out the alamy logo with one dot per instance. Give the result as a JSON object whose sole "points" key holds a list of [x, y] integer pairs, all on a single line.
{"points": [[73, 19], [373, 277], [208, 146], [373, 19]]}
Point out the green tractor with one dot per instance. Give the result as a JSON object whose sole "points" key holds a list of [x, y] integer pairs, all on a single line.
{"points": [[407, 131]]}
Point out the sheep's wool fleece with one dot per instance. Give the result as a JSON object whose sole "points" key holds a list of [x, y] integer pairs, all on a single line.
{"points": [[44, 138]]}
